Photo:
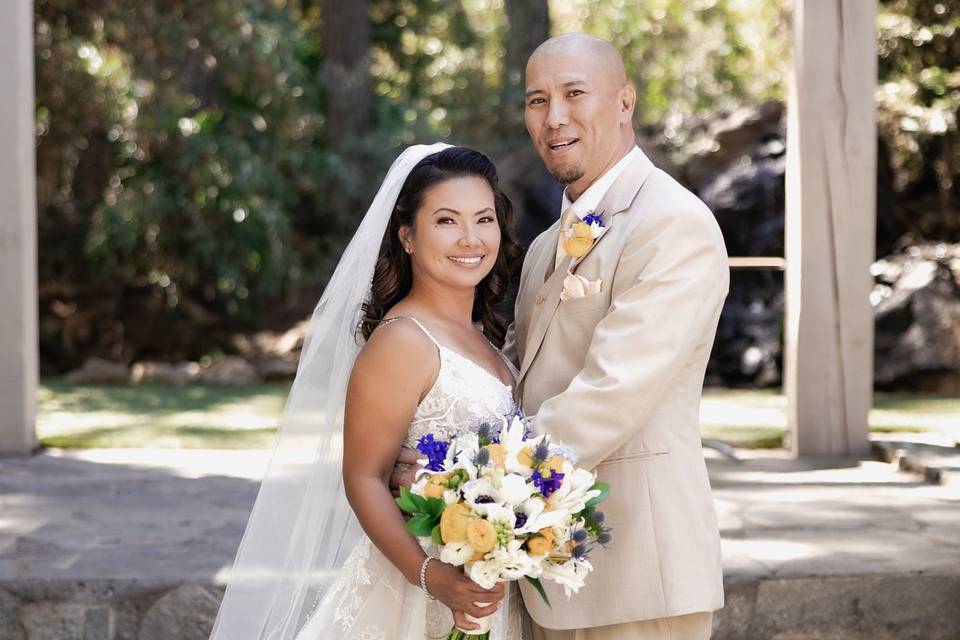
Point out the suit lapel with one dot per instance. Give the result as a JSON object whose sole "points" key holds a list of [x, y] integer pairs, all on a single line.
{"points": [[545, 305], [618, 199]]}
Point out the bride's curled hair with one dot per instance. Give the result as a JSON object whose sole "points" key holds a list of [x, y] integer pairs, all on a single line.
{"points": [[393, 276]]}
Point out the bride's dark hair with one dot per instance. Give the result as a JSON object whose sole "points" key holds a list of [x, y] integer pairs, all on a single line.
{"points": [[393, 277]]}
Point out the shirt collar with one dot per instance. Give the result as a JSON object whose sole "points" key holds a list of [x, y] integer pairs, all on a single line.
{"points": [[590, 199]]}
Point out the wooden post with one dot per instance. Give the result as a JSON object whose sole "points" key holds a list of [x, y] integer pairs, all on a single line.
{"points": [[830, 227], [18, 233]]}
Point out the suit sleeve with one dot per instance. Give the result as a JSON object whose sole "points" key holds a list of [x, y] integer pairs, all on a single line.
{"points": [[678, 278]]}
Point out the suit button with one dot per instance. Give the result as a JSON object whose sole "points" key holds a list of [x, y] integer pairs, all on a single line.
{"points": [[540, 299]]}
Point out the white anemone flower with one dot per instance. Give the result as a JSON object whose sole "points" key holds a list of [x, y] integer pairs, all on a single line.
{"points": [[574, 492], [514, 490], [570, 574], [497, 513], [473, 489], [532, 508]]}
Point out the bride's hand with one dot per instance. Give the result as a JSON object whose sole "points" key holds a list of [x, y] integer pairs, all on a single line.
{"points": [[405, 470], [460, 622], [452, 587]]}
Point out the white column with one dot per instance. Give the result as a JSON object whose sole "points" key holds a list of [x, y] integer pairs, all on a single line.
{"points": [[830, 227], [18, 232]]}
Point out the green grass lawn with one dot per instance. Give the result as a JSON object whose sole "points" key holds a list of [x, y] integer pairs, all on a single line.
{"points": [[758, 417], [200, 416], [155, 415]]}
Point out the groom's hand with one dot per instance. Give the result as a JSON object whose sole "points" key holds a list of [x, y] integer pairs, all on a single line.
{"points": [[405, 470]]}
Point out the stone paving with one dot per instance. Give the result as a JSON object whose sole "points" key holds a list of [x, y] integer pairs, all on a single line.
{"points": [[132, 544]]}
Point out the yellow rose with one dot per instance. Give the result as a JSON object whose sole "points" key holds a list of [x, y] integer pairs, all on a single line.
{"points": [[453, 522], [481, 535], [525, 456], [498, 454], [547, 533], [436, 485], [539, 546], [542, 543], [578, 240]]}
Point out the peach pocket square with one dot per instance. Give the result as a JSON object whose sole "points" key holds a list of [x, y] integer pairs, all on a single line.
{"points": [[576, 286]]}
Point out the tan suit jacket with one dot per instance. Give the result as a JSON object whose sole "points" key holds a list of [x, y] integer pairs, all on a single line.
{"points": [[618, 376]]}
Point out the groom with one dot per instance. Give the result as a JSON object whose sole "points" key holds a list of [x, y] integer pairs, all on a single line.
{"points": [[612, 334]]}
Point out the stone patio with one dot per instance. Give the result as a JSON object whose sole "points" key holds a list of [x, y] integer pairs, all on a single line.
{"points": [[131, 545]]}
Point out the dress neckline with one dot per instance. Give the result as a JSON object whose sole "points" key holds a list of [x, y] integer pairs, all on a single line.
{"points": [[441, 347], [482, 368]]}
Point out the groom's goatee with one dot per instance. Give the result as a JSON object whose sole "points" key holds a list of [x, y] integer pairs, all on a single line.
{"points": [[568, 176]]}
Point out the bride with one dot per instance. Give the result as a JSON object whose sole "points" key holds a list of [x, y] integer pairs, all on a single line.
{"points": [[400, 345]]}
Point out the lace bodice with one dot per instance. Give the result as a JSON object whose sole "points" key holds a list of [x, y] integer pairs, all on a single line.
{"points": [[463, 396]]}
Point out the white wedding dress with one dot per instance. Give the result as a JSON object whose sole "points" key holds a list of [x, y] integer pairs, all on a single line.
{"points": [[370, 599]]}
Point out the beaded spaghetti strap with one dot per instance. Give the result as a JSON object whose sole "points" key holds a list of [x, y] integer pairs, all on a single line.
{"points": [[418, 323]]}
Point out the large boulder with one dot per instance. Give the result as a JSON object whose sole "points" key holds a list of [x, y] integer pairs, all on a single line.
{"points": [[179, 373], [98, 370], [748, 349], [740, 174], [230, 371], [917, 308]]}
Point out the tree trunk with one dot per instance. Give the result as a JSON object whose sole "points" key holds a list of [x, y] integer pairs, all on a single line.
{"points": [[346, 69], [528, 26]]}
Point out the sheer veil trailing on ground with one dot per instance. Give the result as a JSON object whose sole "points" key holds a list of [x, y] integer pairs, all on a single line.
{"points": [[302, 528]]}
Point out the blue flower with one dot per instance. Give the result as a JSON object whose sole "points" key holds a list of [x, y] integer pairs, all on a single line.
{"points": [[592, 217], [547, 485], [436, 451]]}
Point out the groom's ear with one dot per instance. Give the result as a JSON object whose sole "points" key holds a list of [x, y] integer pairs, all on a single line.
{"points": [[628, 101]]}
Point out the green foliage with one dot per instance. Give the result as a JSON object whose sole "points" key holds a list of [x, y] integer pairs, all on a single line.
{"points": [[689, 60], [919, 93], [184, 176], [426, 513]]}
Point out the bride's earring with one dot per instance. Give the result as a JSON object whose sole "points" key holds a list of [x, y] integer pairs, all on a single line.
{"points": [[408, 250]]}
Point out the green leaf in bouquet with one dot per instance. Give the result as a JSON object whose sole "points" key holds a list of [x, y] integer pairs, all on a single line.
{"points": [[604, 489], [435, 506], [435, 534], [420, 502], [421, 525], [406, 502], [539, 587]]}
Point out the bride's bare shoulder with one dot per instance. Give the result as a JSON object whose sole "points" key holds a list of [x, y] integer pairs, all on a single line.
{"points": [[398, 348]]}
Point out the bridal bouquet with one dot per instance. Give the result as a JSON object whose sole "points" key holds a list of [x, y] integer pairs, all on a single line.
{"points": [[507, 505]]}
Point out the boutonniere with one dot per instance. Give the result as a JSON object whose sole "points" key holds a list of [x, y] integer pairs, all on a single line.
{"points": [[578, 239]]}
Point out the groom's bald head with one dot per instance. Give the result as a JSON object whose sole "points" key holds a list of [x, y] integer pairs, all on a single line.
{"points": [[601, 55], [579, 108]]}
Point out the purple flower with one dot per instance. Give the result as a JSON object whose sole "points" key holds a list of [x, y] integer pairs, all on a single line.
{"points": [[547, 485], [436, 451]]}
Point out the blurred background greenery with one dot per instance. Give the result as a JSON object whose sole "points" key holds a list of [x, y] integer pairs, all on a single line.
{"points": [[200, 165]]}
